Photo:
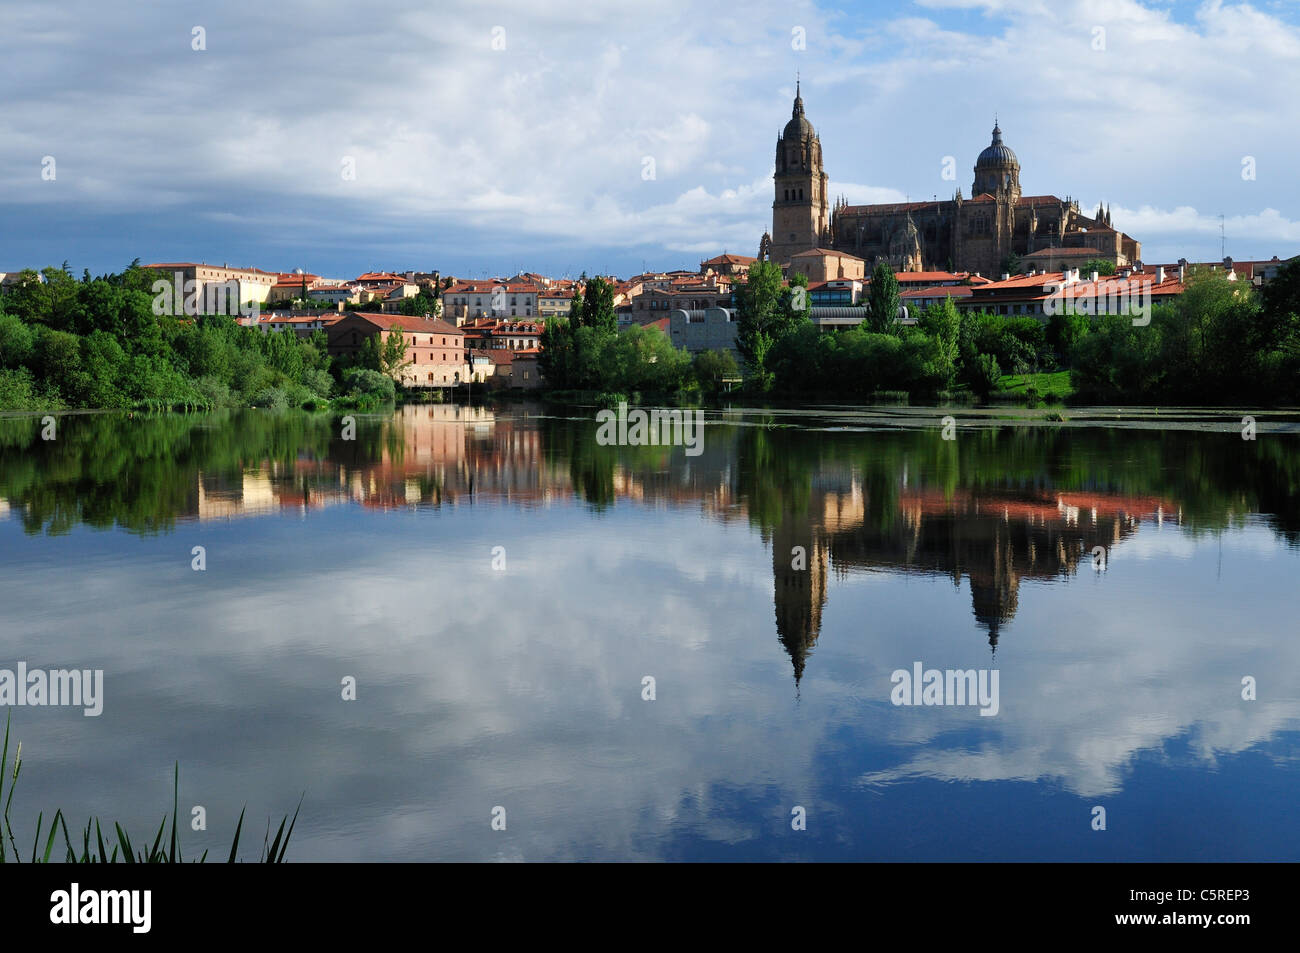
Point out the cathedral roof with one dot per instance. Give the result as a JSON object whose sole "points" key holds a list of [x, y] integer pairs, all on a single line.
{"points": [[798, 127], [997, 154]]}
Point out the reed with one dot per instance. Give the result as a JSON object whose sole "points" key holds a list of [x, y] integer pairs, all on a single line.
{"points": [[96, 851]]}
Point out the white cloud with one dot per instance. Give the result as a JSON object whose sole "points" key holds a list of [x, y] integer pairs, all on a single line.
{"points": [[545, 139]]}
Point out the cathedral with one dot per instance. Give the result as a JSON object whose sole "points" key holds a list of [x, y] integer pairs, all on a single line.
{"points": [[997, 229]]}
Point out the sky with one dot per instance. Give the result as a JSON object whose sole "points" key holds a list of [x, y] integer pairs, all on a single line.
{"points": [[483, 139]]}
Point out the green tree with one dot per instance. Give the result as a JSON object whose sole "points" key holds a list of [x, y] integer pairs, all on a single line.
{"points": [[883, 300], [598, 306], [392, 352], [764, 314], [942, 322], [713, 369], [1101, 266], [985, 376]]}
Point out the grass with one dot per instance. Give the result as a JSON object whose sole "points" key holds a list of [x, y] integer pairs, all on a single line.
{"points": [[1054, 386], [123, 850]]}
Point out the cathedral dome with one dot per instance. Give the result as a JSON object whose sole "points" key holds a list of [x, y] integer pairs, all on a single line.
{"points": [[798, 127], [997, 154]]}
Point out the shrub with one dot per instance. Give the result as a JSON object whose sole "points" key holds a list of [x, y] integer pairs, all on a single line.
{"points": [[985, 375], [364, 382]]}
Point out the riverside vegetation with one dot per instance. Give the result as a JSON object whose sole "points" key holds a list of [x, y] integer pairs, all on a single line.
{"points": [[95, 851], [96, 343], [1219, 343]]}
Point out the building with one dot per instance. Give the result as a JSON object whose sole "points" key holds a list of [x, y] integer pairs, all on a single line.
{"points": [[490, 333], [302, 323], [1040, 295], [491, 367], [525, 374], [979, 234], [466, 300], [730, 265], [435, 349], [343, 294], [823, 264], [705, 329], [217, 284], [800, 211], [292, 285]]}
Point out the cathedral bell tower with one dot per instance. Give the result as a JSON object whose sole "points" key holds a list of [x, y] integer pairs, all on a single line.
{"points": [[800, 211]]}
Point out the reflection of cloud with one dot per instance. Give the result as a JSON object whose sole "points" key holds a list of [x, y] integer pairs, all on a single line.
{"points": [[1079, 706], [475, 688], [522, 688]]}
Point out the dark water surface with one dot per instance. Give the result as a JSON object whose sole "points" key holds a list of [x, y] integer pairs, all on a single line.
{"points": [[513, 677]]}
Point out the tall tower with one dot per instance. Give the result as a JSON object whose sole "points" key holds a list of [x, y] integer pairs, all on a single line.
{"points": [[800, 212]]}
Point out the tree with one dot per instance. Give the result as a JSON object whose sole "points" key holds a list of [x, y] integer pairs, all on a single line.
{"points": [[1101, 266], [392, 352], [1011, 263], [714, 368], [598, 306], [985, 375], [883, 301], [764, 314], [943, 323]]}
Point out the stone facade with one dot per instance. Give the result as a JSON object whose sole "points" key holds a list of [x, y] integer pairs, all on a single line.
{"points": [[977, 234]]}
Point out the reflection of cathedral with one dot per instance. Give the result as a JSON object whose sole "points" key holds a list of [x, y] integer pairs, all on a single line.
{"points": [[799, 573], [995, 540], [974, 234]]}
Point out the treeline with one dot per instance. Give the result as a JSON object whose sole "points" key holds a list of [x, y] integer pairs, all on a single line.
{"points": [[586, 352], [97, 343], [1218, 343], [786, 354]]}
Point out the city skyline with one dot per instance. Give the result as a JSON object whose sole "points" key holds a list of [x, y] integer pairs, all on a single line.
{"points": [[490, 141]]}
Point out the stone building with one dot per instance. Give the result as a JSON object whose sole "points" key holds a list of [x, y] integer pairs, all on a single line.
{"points": [[800, 213], [979, 234]]}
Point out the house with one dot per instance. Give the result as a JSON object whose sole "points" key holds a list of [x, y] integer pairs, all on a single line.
{"points": [[435, 349], [302, 323], [822, 264], [291, 285], [342, 294], [525, 372], [492, 298], [491, 366], [729, 265]]}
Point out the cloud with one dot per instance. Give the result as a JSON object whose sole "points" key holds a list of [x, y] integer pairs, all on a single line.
{"points": [[471, 156]]}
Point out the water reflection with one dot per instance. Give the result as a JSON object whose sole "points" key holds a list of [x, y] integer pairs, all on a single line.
{"points": [[370, 556], [994, 509]]}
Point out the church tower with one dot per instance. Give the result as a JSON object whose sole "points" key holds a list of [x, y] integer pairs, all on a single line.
{"points": [[800, 212]]}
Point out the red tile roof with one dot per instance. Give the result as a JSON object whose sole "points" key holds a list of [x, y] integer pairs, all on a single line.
{"points": [[408, 322]]}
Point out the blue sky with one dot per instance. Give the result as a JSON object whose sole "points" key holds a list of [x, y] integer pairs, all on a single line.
{"points": [[488, 138]]}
